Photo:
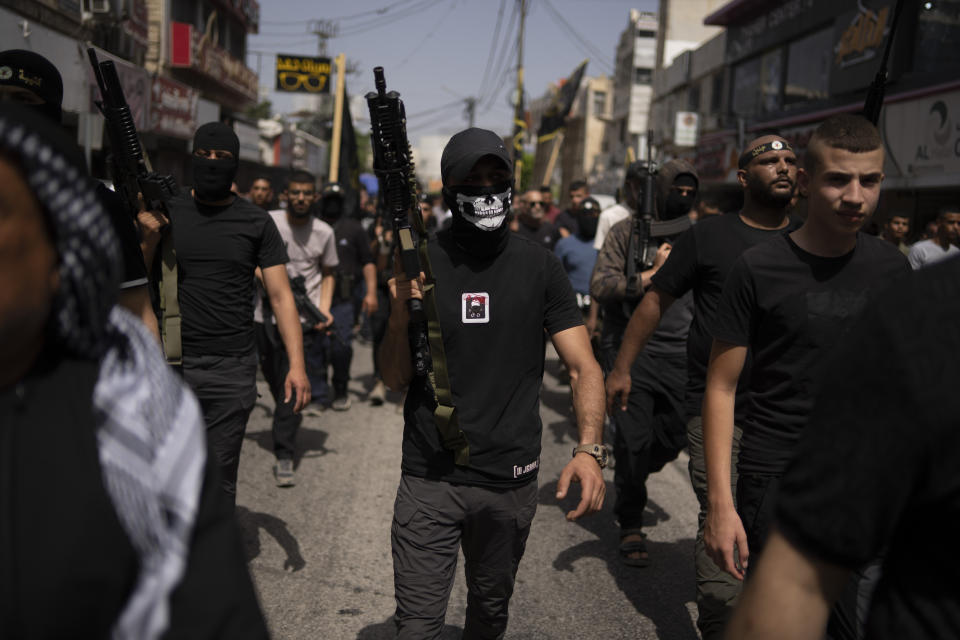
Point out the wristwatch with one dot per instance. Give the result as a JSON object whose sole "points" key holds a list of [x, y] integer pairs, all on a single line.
{"points": [[598, 451]]}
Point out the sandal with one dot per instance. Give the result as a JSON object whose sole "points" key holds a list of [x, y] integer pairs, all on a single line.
{"points": [[633, 553]]}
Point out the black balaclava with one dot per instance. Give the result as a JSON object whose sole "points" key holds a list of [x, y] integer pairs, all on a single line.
{"points": [[31, 71], [676, 204], [479, 224], [588, 215], [331, 203], [212, 178]]}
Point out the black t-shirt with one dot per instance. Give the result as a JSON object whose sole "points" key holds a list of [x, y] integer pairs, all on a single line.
{"points": [[134, 269], [353, 247], [492, 315], [566, 220], [218, 249], [890, 477], [546, 235], [700, 260], [791, 308]]}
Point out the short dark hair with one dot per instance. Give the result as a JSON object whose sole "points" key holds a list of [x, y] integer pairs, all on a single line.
{"points": [[844, 131], [942, 213], [578, 184], [905, 216], [300, 176], [261, 177], [545, 188]]}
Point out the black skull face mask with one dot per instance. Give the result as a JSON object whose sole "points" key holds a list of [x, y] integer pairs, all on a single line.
{"points": [[480, 216]]}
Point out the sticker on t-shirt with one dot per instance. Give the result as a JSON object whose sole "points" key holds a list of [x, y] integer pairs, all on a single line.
{"points": [[476, 307], [519, 471]]}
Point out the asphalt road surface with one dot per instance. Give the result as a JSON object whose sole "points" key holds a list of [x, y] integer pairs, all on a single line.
{"points": [[320, 556]]}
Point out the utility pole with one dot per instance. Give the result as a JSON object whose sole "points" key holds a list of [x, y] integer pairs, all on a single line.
{"points": [[519, 119], [324, 30]]}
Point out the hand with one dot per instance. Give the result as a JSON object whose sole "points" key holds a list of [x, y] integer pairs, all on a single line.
{"points": [[583, 468], [151, 222], [320, 326], [297, 386], [723, 530], [617, 384], [370, 303], [662, 252]]}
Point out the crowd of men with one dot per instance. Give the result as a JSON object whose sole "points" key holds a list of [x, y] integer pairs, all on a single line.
{"points": [[799, 360]]}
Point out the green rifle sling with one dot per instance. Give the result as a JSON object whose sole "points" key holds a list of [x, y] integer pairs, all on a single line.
{"points": [[448, 423]]}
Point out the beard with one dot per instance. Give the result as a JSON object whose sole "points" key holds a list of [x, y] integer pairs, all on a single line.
{"points": [[764, 194]]}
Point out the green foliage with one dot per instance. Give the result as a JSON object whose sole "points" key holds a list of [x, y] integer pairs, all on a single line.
{"points": [[526, 173], [260, 111]]}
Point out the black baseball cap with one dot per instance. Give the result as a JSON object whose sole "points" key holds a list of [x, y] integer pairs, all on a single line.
{"points": [[33, 72], [465, 148]]}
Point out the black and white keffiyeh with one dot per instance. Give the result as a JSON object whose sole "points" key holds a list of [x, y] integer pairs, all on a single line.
{"points": [[149, 426]]}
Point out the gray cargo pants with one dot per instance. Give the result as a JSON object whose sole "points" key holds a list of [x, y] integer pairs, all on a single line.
{"points": [[431, 520], [717, 590]]}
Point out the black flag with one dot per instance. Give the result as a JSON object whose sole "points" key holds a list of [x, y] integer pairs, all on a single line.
{"points": [[559, 109], [349, 166]]}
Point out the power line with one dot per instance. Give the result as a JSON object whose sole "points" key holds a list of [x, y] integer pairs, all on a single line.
{"points": [[426, 38], [381, 21], [585, 45], [380, 11], [489, 94], [493, 47]]}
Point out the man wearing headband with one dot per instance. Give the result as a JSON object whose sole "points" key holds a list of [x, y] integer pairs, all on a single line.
{"points": [[788, 301], [700, 261], [30, 79], [112, 523], [495, 294], [220, 239], [649, 424]]}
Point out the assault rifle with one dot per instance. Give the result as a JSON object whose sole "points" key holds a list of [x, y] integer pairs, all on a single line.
{"points": [[645, 229], [393, 164], [131, 175], [298, 285]]}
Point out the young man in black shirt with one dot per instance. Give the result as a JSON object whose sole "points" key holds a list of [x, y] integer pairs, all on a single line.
{"points": [[482, 497], [887, 483], [789, 301], [220, 239], [700, 261]]}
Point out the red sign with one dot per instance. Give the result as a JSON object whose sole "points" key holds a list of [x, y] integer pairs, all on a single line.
{"points": [[189, 49], [173, 108]]}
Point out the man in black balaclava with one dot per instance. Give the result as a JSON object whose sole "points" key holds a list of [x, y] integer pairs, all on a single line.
{"points": [[220, 240], [31, 80], [494, 293], [355, 292], [650, 428]]}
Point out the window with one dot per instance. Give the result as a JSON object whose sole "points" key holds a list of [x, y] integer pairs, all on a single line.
{"points": [[599, 103], [808, 67], [716, 93], [646, 33], [693, 98], [771, 74], [938, 36], [746, 88], [642, 75]]}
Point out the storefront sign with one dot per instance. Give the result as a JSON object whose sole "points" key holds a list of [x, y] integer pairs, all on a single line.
{"points": [[136, 22], [191, 50], [685, 129], [923, 137], [173, 109], [302, 74]]}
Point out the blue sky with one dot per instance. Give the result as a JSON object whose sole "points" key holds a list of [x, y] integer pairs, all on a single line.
{"points": [[436, 52]]}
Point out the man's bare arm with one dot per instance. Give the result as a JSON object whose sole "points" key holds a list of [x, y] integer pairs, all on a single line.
{"points": [[396, 365], [723, 529], [788, 596], [136, 300], [586, 383], [643, 322]]}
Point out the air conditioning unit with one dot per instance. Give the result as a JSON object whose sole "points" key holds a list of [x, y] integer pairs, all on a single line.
{"points": [[99, 6]]}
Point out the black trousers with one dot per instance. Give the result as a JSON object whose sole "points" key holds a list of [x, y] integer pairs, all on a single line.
{"points": [[226, 387], [650, 433], [431, 521], [275, 366]]}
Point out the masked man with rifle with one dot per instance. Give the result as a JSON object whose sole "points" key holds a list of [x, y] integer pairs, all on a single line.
{"points": [[219, 240], [495, 294], [313, 257], [649, 427]]}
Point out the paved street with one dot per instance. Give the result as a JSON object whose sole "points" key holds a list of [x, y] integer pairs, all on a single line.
{"points": [[320, 552]]}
